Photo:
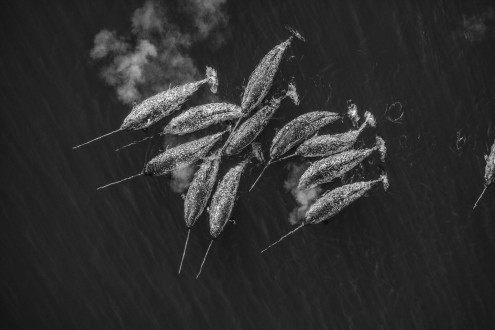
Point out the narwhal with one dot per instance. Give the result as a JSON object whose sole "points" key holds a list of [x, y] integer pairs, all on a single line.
{"points": [[332, 167], [261, 79], [223, 201], [198, 194], [334, 201], [179, 156], [489, 172], [195, 119], [295, 131], [157, 107], [254, 125], [331, 144]]}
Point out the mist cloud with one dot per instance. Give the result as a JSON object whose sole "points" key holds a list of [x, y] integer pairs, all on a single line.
{"points": [[208, 14], [159, 57], [181, 178], [304, 198]]}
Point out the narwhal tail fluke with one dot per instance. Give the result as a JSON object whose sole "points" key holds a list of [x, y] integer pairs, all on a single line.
{"points": [[281, 238], [125, 179], [136, 142], [384, 179], [295, 33], [211, 76], [204, 259], [369, 121], [481, 195], [185, 247], [292, 92], [259, 176], [382, 148], [96, 139]]}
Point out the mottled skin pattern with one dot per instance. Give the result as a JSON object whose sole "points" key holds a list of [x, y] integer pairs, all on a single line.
{"points": [[334, 201], [251, 128], [490, 167], [224, 198], [154, 108], [200, 190], [261, 78], [181, 155], [299, 129], [255, 124], [489, 172], [203, 116], [332, 167], [326, 145]]}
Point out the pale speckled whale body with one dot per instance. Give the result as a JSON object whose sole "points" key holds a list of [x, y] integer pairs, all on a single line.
{"points": [[490, 167], [223, 199], [157, 107], [489, 172], [254, 125], [181, 155], [261, 78], [200, 190], [332, 167], [326, 145], [334, 201], [250, 129], [299, 129], [202, 116]]}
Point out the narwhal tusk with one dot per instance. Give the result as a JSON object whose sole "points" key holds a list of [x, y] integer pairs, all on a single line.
{"points": [[281, 159], [475, 204], [289, 233], [204, 259], [128, 178], [95, 139], [259, 176], [135, 142], [185, 247]]}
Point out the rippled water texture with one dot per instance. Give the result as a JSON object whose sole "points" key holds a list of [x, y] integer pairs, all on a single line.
{"points": [[416, 257]]}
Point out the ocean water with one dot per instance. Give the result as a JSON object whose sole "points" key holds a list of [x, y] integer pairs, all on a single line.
{"points": [[416, 257]]}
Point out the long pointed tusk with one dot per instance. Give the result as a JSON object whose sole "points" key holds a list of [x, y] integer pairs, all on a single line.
{"points": [[95, 139], [204, 259], [128, 178], [185, 247], [280, 239]]}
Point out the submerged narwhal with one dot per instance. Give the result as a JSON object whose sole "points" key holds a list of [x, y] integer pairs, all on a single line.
{"points": [[173, 158], [332, 167], [157, 107], [254, 125], [334, 201], [198, 193], [331, 144], [489, 172], [295, 131]]}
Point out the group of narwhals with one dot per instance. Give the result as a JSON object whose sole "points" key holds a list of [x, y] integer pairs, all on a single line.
{"points": [[337, 152]]}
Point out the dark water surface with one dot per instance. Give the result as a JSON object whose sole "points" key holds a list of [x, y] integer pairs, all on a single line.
{"points": [[416, 257]]}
